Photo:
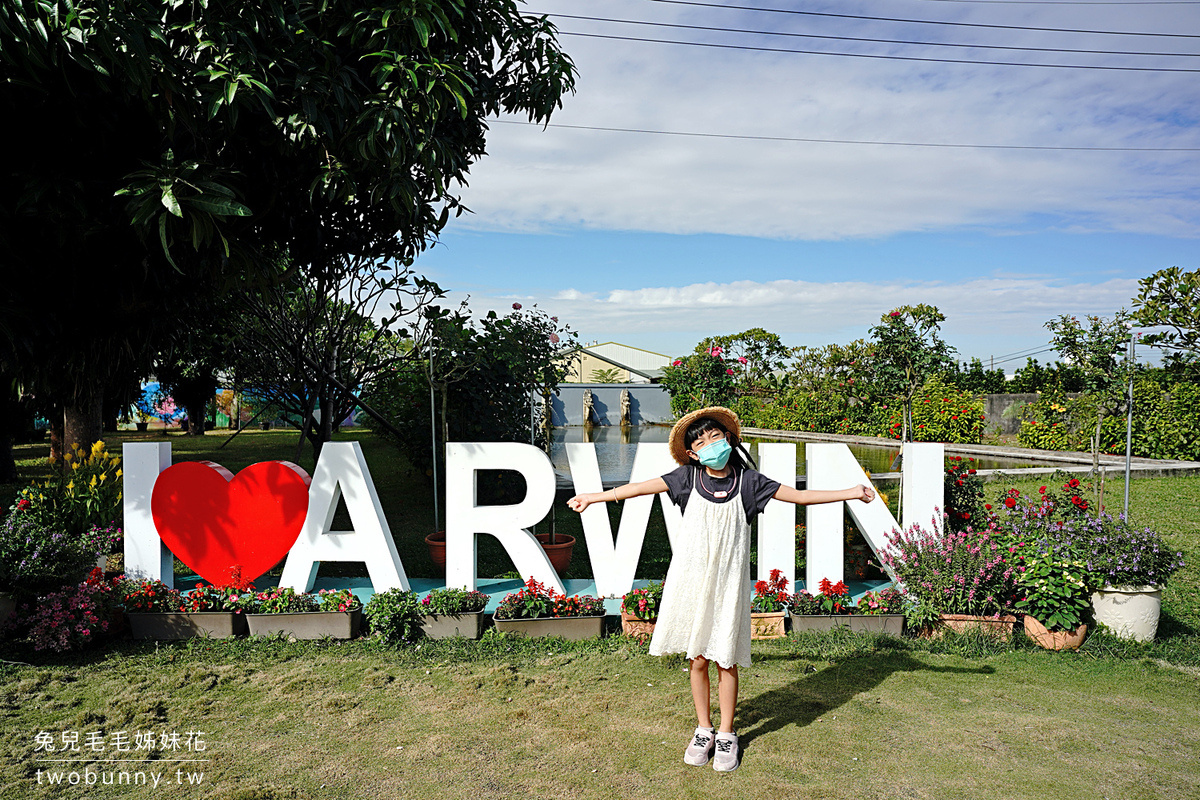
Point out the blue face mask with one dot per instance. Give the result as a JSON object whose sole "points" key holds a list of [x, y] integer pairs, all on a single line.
{"points": [[716, 454]]}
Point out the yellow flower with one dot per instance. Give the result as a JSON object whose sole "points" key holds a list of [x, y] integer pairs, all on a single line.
{"points": [[67, 457], [119, 473], [103, 477], [71, 486], [93, 483], [98, 448]]}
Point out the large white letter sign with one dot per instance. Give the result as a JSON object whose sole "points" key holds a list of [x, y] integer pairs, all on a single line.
{"points": [[342, 472], [777, 522], [614, 564], [833, 466], [146, 557], [465, 517]]}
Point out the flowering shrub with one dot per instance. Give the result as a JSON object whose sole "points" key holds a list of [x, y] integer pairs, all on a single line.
{"points": [[84, 492], [643, 603], [337, 600], [394, 616], [1056, 422], [36, 558], [955, 572], [148, 596], [278, 600], [105, 538], [963, 493], [803, 604], [885, 601], [834, 597], [74, 617], [699, 380], [1049, 504], [453, 601], [771, 596], [206, 597], [1112, 551], [941, 413], [536, 601]]}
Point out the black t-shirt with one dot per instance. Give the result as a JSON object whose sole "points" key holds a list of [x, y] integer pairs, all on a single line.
{"points": [[753, 487]]}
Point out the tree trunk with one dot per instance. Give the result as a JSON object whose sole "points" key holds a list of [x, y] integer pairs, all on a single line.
{"points": [[56, 435], [83, 420], [8, 465]]}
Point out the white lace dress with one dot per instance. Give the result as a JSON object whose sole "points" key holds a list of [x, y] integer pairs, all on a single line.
{"points": [[705, 608]]}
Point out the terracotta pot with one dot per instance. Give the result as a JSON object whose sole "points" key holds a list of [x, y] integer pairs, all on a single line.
{"points": [[449, 626], [1130, 612], [437, 550], [560, 552], [307, 624], [1054, 640], [637, 628], [167, 625], [863, 623], [993, 627], [767, 625], [573, 628]]}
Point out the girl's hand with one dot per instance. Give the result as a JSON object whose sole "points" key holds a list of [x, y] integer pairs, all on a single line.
{"points": [[868, 493], [580, 501]]}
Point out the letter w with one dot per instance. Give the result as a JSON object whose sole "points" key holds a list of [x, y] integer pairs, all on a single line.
{"points": [[614, 564]]}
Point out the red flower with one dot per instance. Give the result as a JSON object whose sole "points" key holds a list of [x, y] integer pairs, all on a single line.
{"points": [[1042, 490], [1010, 502], [987, 506], [516, 306]]}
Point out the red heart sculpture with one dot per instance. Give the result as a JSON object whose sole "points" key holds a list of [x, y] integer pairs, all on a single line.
{"points": [[215, 522]]}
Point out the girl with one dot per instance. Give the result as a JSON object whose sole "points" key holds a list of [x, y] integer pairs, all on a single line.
{"points": [[705, 611]]}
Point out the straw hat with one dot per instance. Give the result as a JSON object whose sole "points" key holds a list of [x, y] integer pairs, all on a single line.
{"points": [[727, 418]]}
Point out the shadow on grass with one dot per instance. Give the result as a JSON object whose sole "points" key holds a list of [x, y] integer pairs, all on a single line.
{"points": [[807, 699]]}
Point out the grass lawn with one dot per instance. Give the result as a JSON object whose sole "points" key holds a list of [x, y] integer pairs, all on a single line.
{"points": [[821, 715]]}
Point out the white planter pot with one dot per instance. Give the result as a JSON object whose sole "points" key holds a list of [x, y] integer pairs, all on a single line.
{"points": [[1130, 612]]}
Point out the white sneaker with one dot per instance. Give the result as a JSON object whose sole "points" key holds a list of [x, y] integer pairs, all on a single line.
{"points": [[701, 748], [726, 757]]}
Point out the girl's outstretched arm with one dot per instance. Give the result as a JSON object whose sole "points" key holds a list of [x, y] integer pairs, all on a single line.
{"points": [[808, 497], [653, 486]]}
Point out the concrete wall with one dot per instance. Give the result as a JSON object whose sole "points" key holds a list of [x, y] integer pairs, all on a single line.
{"points": [[648, 402]]}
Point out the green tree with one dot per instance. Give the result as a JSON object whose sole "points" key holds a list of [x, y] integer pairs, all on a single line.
{"points": [[1098, 349], [1170, 298], [907, 351], [755, 356], [611, 375], [166, 146]]}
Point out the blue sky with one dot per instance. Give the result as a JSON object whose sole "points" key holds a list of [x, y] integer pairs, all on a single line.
{"points": [[658, 241]]}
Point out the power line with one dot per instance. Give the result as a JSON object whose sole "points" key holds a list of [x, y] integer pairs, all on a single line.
{"points": [[1000, 361], [795, 34], [807, 140], [1025, 352], [871, 55], [920, 21]]}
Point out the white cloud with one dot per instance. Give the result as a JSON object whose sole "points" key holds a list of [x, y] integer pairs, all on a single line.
{"points": [[536, 180], [985, 316]]}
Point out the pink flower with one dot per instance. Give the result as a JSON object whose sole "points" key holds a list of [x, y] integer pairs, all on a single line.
{"points": [[676, 362], [554, 338], [728, 372], [894, 314], [715, 351], [516, 306], [741, 359]]}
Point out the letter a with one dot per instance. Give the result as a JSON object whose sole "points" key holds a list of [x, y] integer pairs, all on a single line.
{"points": [[342, 472]]}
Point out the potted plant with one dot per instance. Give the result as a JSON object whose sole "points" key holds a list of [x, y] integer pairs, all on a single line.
{"points": [[639, 610], [559, 549], [767, 614], [876, 612], [446, 613], [538, 611], [155, 611], [1054, 595], [335, 613], [144, 413], [954, 580]]}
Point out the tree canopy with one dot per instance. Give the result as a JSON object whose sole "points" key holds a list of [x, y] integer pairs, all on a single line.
{"points": [[167, 146]]}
